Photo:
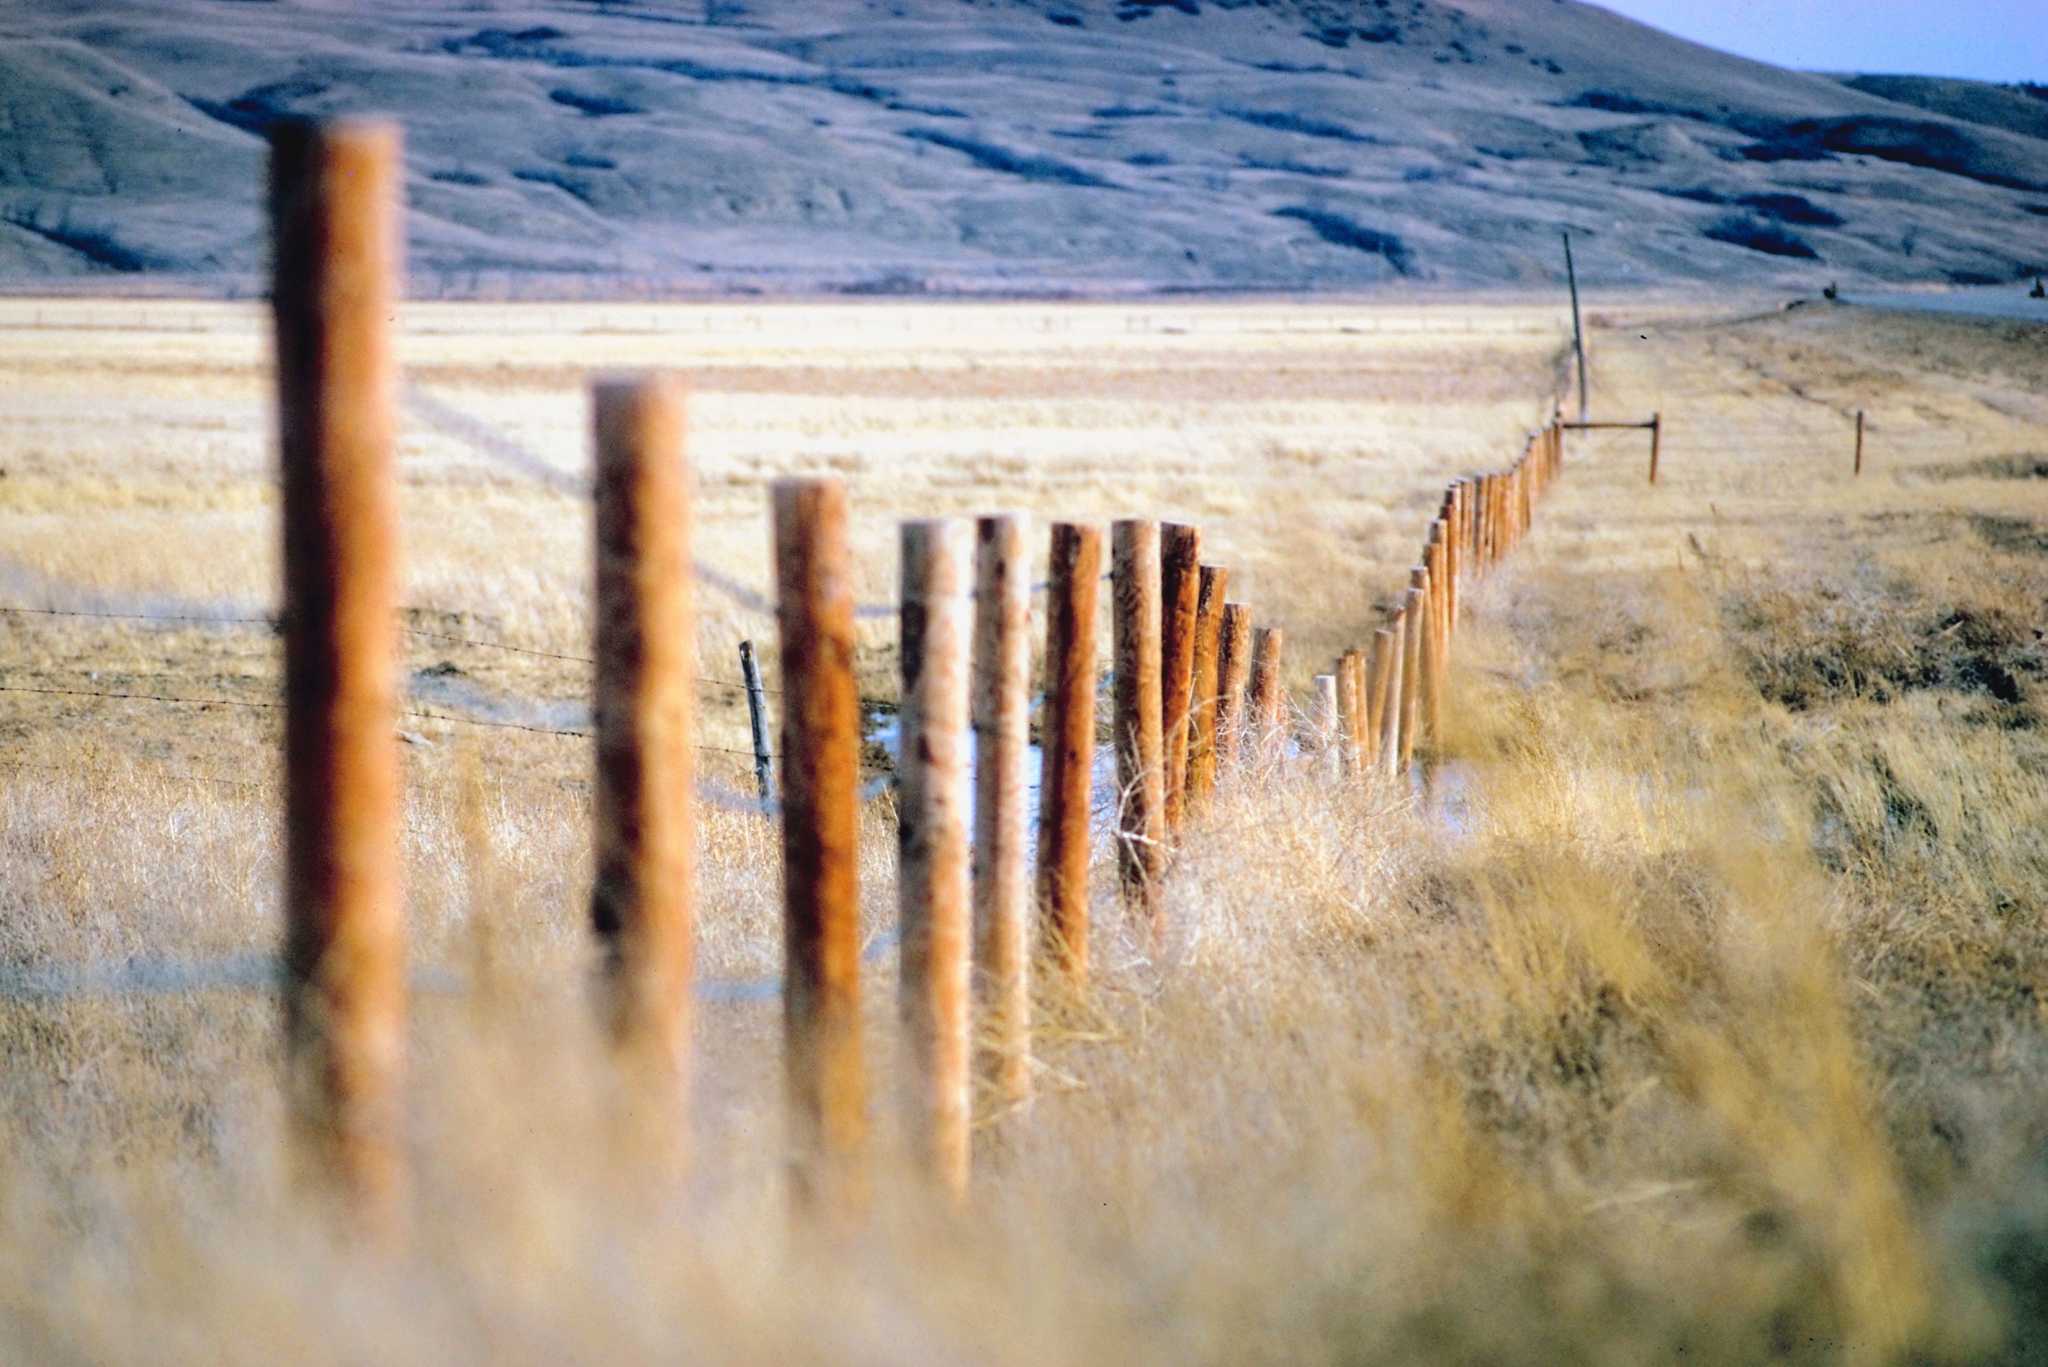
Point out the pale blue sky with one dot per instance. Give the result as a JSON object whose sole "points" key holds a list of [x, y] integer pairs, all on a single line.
{"points": [[1992, 40]]}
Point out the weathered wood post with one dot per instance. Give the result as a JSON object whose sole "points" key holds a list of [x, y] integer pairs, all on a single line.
{"points": [[1431, 671], [1180, 557], [1397, 694], [1656, 443], [1234, 670], [1201, 779], [1414, 626], [1002, 744], [1067, 744], [1265, 710], [1141, 824], [1329, 725], [757, 723], [643, 900], [825, 1073], [1380, 666], [1859, 441], [334, 197], [934, 888], [1347, 701]]}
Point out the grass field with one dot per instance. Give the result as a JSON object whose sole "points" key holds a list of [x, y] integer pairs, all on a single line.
{"points": [[1711, 1026]]}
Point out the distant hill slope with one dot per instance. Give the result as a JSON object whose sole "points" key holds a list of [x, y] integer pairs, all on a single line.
{"points": [[1994, 106], [904, 145]]}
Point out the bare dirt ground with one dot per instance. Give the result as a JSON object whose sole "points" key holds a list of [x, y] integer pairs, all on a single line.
{"points": [[1709, 1021]]}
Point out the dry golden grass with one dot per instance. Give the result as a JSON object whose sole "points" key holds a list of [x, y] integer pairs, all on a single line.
{"points": [[1695, 1009]]}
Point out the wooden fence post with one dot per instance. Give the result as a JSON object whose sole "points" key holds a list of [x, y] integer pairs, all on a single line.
{"points": [[1329, 725], [1067, 743], [1201, 779], [1396, 694], [643, 901], [1376, 691], [1234, 669], [933, 879], [1432, 670], [1180, 556], [1002, 742], [757, 723], [1414, 626], [1859, 441], [1141, 824], [1656, 443], [1264, 711], [334, 197], [1347, 708], [820, 856]]}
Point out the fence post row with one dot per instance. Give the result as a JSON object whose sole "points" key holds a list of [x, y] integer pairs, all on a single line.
{"points": [[334, 215], [1197, 693]]}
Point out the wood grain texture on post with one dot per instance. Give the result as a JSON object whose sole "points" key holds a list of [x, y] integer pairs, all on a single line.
{"points": [[934, 882], [1396, 689], [824, 1068], [1437, 560], [1454, 562], [1208, 681], [1414, 622], [334, 197], [1141, 823], [1380, 667], [1265, 709], [1002, 745], [1067, 744], [643, 901], [1348, 721], [1234, 670], [1180, 582], [1439, 587], [1435, 652]]}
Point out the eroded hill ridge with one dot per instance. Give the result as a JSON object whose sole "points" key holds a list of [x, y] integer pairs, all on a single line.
{"points": [[899, 146]]}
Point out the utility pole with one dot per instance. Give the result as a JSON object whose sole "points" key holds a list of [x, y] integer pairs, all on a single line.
{"points": [[1578, 332]]}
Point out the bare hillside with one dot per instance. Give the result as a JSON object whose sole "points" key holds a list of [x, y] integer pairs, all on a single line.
{"points": [[908, 145]]}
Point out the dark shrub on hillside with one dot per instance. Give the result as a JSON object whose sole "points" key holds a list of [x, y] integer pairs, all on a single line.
{"points": [[1754, 233], [1791, 209]]}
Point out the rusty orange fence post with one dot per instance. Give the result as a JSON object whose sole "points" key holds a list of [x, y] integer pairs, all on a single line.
{"points": [[934, 884], [1180, 556], [1208, 680], [643, 901], [1429, 673], [1265, 710], [1002, 744], [1067, 744], [1345, 680], [1234, 672], [334, 203], [1141, 824], [824, 1068], [1414, 625]]}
